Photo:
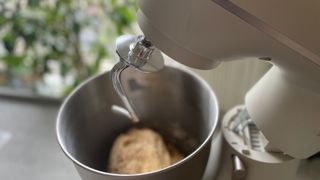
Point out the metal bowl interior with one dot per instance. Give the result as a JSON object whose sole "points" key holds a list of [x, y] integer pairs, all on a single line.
{"points": [[176, 103]]}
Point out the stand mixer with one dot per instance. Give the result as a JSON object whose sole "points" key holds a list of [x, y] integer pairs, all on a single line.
{"points": [[282, 109]]}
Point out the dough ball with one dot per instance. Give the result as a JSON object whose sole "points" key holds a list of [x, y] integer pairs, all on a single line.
{"points": [[140, 151]]}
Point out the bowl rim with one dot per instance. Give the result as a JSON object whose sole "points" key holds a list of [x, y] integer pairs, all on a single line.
{"points": [[175, 165]]}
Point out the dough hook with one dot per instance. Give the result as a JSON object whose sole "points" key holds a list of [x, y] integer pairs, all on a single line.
{"points": [[139, 53]]}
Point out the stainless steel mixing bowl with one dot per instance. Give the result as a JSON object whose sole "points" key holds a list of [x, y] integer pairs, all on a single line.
{"points": [[175, 102]]}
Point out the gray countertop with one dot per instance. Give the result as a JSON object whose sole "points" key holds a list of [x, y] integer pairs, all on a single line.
{"points": [[28, 145]]}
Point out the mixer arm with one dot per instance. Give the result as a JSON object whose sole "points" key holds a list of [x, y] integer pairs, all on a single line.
{"points": [[202, 33]]}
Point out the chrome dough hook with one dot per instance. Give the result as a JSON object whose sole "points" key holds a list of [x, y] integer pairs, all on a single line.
{"points": [[139, 53]]}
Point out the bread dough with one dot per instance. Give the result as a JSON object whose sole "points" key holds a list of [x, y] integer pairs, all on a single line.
{"points": [[140, 151]]}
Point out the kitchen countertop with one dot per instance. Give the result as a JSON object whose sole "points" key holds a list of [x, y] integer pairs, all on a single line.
{"points": [[28, 145]]}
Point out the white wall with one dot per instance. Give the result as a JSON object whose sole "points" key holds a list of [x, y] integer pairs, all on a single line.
{"points": [[231, 80]]}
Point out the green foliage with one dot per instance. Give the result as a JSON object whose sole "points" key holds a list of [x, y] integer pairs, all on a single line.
{"points": [[12, 60], [36, 32]]}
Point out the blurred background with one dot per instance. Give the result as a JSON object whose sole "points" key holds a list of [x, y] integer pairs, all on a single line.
{"points": [[47, 47]]}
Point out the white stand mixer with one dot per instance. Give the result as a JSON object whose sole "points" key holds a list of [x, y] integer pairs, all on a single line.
{"points": [[285, 104]]}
